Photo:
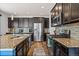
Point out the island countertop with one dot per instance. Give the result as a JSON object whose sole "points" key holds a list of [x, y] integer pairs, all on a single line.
{"points": [[70, 43], [10, 41]]}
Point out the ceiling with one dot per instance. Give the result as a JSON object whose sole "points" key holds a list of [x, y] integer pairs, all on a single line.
{"points": [[27, 9]]}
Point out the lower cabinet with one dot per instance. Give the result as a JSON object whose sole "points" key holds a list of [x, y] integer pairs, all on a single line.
{"points": [[22, 48], [61, 50]]}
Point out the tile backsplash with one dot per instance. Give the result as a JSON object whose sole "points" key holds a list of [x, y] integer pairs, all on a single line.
{"points": [[74, 28]]}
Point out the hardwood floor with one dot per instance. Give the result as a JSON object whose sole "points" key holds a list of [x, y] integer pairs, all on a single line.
{"points": [[38, 44]]}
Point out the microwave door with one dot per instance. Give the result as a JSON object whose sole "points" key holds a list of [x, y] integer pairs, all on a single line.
{"points": [[59, 20], [55, 21]]}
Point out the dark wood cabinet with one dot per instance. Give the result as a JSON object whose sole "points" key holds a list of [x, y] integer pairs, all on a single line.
{"points": [[56, 10], [56, 17], [26, 47], [70, 12], [60, 6], [16, 20], [19, 49], [62, 50], [21, 22], [10, 23], [46, 22], [75, 11], [66, 13], [22, 48]]}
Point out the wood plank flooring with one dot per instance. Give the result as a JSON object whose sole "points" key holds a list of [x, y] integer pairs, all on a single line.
{"points": [[38, 44]]}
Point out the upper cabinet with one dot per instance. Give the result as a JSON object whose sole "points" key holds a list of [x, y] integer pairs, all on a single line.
{"points": [[25, 22], [56, 10], [16, 20], [46, 22], [31, 20], [10, 23], [21, 23], [66, 13], [56, 18], [75, 11]]}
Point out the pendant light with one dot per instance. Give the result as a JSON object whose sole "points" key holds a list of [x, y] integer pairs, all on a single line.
{"points": [[12, 17]]}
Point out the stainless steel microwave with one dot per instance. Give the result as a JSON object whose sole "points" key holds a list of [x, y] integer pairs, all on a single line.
{"points": [[57, 20]]}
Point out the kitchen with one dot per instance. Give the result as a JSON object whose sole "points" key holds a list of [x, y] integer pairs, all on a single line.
{"points": [[54, 32]]}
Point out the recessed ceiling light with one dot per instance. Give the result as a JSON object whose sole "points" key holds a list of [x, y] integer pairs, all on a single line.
{"points": [[42, 7]]}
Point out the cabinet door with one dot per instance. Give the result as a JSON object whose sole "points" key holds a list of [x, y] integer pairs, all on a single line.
{"points": [[57, 10], [60, 8], [16, 22], [46, 22], [30, 22], [20, 52], [66, 12], [10, 23], [75, 11], [25, 47], [25, 22], [20, 49], [21, 22]]}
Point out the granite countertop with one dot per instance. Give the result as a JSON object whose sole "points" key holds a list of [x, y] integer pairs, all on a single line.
{"points": [[70, 43], [21, 33], [10, 41]]}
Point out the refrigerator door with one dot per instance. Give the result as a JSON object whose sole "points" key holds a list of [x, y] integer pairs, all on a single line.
{"points": [[37, 31]]}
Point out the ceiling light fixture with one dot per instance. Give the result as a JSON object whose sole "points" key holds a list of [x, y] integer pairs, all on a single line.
{"points": [[12, 17], [42, 7]]}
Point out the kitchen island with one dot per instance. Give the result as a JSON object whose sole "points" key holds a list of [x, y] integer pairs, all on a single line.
{"points": [[66, 47], [14, 45]]}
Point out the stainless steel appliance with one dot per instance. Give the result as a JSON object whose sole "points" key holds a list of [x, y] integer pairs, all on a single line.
{"points": [[38, 32], [57, 20]]}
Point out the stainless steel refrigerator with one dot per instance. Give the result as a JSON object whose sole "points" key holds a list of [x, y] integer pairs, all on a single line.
{"points": [[38, 32]]}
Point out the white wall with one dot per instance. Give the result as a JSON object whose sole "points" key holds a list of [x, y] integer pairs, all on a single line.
{"points": [[4, 23]]}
